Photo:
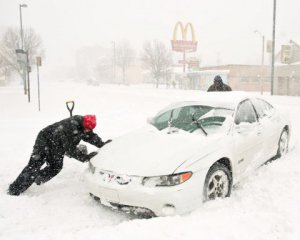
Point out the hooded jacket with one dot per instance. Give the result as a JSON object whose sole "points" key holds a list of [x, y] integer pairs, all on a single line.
{"points": [[63, 137], [219, 85]]}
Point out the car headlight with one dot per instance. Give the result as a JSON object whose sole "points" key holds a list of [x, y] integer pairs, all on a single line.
{"points": [[167, 180], [92, 168]]}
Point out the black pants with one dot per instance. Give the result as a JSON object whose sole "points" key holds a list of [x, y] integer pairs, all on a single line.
{"points": [[34, 171]]}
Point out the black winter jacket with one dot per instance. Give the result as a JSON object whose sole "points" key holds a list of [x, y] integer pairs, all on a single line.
{"points": [[220, 87], [62, 138]]}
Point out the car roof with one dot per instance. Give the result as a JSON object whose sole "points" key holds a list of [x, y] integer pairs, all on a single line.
{"points": [[228, 100]]}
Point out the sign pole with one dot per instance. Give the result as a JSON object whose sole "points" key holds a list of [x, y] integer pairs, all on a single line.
{"points": [[184, 61], [28, 79], [38, 87], [184, 45], [38, 63], [273, 48]]}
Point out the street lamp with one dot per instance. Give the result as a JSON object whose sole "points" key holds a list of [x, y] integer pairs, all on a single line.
{"points": [[273, 46], [262, 59], [263, 46], [22, 44], [21, 51], [21, 30], [114, 61], [38, 64]]}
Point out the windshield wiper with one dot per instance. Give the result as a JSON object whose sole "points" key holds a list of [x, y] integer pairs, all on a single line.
{"points": [[171, 125], [198, 124]]}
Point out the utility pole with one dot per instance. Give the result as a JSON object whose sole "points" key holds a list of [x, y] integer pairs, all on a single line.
{"points": [[262, 60], [263, 47], [38, 64], [21, 25], [273, 47], [184, 61], [263, 51], [114, 61], [22, 46], [28, 71], [28, 68]]}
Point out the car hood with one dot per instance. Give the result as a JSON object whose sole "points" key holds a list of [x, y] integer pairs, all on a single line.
{"points": [[149, 152]]}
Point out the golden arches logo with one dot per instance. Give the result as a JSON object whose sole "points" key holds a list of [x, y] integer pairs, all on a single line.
{"points": [[184, 45], [184, 30]]}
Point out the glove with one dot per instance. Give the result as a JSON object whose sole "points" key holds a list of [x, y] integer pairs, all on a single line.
{"points": [[92, 154], [38, 180], [82, 148], [108, 141]]}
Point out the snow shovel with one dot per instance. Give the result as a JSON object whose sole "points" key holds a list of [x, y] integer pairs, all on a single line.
{"points": [[81, 147], [70, 107]]}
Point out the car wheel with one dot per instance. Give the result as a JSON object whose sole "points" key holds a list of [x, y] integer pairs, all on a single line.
{"points": [[218, 182], [283, 144]]}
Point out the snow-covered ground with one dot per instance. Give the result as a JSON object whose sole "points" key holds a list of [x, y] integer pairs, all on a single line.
{"points": [[264, 206]]}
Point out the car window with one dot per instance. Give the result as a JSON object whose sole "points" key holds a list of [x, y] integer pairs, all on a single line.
{"points": [[245, 113], [185, 117], [259, 108], [161, 121], [182, 117], [268, 109], [263, 108]]}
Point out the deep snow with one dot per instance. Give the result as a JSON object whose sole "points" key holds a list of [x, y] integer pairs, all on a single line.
{"points": [[263, 206]]}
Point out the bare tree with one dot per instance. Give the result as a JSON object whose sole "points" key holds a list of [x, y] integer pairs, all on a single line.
{"points": [[124, 57], [158, 60], [3, 69], [11, 41]]}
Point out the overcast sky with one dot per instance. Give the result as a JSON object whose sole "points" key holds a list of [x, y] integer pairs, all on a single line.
{"points": [[224, 28]]}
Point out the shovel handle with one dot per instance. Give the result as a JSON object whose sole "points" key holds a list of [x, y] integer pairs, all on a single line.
{"points": [[70, 106]]}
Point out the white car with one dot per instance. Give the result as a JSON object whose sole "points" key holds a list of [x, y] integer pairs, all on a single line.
{"points": [[190, 152]]}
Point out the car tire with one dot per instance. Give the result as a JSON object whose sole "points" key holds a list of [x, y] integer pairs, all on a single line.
{"points": [[218, 182], [283, 144]]}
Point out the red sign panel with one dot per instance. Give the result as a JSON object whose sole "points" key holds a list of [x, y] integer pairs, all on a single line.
{"points": [[183, 46]]}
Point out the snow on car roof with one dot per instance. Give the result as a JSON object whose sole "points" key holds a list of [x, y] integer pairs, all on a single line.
{"points": [[215, 99]]}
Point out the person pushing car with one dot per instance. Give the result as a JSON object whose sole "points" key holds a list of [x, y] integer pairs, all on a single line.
{"points": [[52, 143]]}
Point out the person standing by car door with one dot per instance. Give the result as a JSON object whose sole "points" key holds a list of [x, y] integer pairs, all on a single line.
{"points": [[52, 143], [218, 85]]}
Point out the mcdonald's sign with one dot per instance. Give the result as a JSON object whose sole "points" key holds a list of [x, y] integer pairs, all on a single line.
{"points": [[184, 45]]}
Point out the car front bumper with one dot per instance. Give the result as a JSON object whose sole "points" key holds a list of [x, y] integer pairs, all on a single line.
{"points": [[158, 201]]}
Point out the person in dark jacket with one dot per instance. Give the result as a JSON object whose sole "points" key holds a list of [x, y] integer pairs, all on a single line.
{"points": [[52, 143], [219, 85]]}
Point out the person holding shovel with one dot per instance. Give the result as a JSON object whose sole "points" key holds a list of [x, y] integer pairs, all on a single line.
{"points": [[52, 143]]}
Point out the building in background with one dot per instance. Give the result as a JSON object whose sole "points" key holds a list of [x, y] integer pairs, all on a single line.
{"points": [[287, 79], [287, 70], [94, 64], [251, 77], [246, 78], [239, 77]]}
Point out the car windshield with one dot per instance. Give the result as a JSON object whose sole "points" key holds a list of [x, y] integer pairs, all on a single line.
{"points": [[193, 118]]}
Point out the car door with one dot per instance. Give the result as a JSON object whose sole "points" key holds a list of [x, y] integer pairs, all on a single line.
{"points": [[246, 139], [266, 117]]}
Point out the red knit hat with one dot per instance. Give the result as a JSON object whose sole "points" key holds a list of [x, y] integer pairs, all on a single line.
{"points": [[89, 122]]}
